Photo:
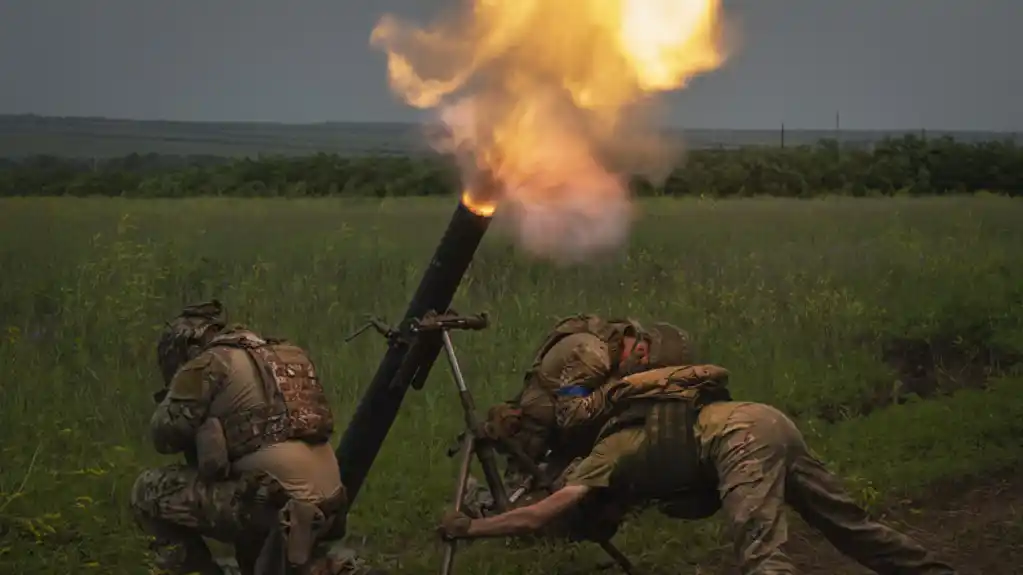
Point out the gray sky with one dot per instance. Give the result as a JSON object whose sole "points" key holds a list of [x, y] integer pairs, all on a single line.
{"points": [[901, 64]]}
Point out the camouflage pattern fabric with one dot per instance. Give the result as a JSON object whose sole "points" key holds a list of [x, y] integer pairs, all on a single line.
{"points": [[579, 359], [223, 383], [666, 383], [296, 405], [669, 345], [576, 360], [176, 419], [763, 462], [580, 352], [603, 334], [240, 504], [760, 463], [177, 509], [183, 336]]}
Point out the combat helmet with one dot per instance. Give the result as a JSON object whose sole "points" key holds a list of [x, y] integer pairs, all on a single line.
{"points": [[669, 345], [185, 335], [622, 328]]}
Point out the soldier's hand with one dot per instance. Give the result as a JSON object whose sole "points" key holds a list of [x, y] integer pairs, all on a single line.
{"points": [[454, 525], [503, 421]]}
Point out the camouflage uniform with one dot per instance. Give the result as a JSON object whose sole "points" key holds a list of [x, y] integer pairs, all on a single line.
{"points": [[584, 360], [758, 461], [581, 361], [260, 485]]}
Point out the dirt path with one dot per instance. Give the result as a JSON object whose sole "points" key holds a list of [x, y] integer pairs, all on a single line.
{"points": [[975, 524]]}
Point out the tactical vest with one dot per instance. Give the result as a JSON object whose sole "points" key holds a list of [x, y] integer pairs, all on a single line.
{"points": [[296, 406], [668, 464]]}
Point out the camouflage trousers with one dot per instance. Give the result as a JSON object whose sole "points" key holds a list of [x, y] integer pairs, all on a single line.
{"points": [[174, 507], [763, 462]]}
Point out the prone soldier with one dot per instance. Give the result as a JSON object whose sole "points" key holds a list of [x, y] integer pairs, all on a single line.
{"points": [[673, 436]]}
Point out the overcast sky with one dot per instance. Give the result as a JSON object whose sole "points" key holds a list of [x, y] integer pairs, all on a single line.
{"points": [[904, 64]]}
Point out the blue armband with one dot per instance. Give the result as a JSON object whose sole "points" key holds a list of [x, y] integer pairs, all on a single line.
{"points": [[574, 391]]}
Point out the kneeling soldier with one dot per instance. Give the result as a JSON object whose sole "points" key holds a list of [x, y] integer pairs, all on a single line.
{"points": [[254, 424]]}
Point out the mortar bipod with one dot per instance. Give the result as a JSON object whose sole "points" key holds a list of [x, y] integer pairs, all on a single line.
{"points": [[483, 449], [472, 444]]}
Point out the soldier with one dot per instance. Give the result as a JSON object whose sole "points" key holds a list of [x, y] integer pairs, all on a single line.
{"points": [[580, 354], [673, 432], [254, 424]]}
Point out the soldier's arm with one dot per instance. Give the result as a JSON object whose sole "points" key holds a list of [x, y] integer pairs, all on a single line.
{"points": [[606, 399], [588, 368], [186, 405], [531, 518], [593, 472], [573, 412]]}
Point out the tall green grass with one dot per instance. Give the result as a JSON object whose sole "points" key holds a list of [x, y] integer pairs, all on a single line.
{"points": [[796, 298]]}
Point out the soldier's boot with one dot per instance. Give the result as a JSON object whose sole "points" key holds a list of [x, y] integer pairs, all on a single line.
{"points": [[477, 498], [821, 500], [331, 558], [328, 565], [179, 551]]}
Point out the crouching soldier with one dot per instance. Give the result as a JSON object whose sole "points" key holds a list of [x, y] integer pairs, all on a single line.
{"points": [[532, 426], [579, 352], [253, 422], [675, 432]]}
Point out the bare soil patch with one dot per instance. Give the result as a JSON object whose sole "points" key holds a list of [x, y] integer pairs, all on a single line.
{"points": [[939, 365]]}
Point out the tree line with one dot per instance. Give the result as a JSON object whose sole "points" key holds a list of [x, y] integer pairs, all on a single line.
{"points": [[908, 165]]}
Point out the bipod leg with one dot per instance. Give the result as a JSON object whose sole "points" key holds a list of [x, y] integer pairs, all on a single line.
{"points": [[484, 449], [618, 557], [468, 448]]}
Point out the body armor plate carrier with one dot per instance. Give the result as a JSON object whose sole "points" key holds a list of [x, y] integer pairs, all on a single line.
{"points": [[669, 462], [296, 406]]}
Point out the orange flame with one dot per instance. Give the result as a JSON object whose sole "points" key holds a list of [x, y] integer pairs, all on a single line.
{"points": [[480, 208], [544, 98]]}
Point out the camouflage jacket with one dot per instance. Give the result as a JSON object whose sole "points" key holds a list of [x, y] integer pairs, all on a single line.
{"points": [[216, 383], [579, 359], [187, 403]]}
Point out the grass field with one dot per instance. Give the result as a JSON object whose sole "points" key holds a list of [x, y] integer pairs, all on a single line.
{"points": [[859, 316]]}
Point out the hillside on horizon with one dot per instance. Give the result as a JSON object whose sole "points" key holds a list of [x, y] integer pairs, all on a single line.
{"points": [[29, 135]]}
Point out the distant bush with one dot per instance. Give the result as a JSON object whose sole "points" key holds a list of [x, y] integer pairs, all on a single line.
{"points": [[909, 165]]}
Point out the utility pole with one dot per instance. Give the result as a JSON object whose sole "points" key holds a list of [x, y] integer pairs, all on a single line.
{"points": [[838, 132]]}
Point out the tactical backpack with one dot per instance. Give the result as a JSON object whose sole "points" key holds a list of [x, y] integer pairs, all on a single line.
{"points": [[668, 466], [534, 404], [610, 332], [296, 405]]}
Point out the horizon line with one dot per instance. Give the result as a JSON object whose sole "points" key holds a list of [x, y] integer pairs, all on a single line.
{"points": [[777, 127]]}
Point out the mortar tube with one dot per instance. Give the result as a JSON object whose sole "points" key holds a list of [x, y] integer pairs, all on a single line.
{"points": [[381, 401]]}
